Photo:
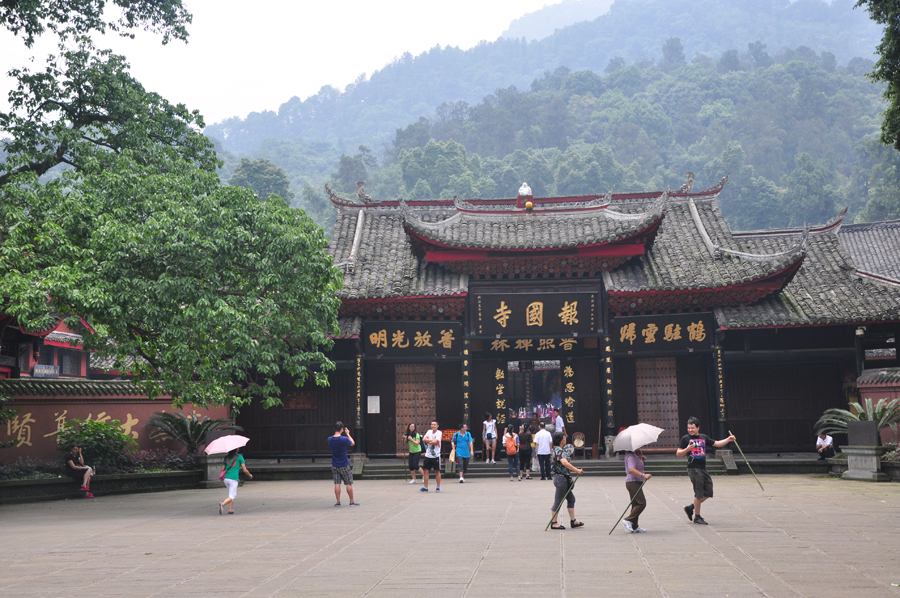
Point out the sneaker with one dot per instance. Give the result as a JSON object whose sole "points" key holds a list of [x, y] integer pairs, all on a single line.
{"points": [[689, 511], [628, 526], [354, 504], [413, 481], [423, 489], [438, 489], [700, 520], [461, 480], [640, 530], [221, 508], [337, 504], [512, 478]]}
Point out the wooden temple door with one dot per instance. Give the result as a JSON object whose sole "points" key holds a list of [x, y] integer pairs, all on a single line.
{"points": [[657, 397], [416, 399]]}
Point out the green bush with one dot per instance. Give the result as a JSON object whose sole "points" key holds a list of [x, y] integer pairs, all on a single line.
{"points": [[885, 413], [103, 444], [189, 430]]}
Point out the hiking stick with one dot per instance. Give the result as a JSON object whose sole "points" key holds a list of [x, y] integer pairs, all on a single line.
{"points": [[565, 496], [747, 462], [628, 507]]}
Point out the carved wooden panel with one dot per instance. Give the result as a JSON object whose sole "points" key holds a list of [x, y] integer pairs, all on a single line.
{"points": [[415, 399], [657, 397]]}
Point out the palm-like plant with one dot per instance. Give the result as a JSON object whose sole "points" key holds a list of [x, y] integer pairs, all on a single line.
{"points": [[189, 430], [885, 413]]}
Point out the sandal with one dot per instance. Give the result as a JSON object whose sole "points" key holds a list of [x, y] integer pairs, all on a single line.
{"points": [[557, 526], [575, 523]]}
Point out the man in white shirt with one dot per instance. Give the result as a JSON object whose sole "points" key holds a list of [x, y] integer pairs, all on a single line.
{"points": [[432, 440], [558, 421], [543, 439], [825, 446]]}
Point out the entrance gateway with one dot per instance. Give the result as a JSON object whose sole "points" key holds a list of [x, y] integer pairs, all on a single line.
{"points": [[617, 308]]}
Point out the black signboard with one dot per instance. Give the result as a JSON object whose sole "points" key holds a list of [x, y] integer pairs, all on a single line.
{"points": [[412, 339], [667, 332], [536, 314], [533, 348]]}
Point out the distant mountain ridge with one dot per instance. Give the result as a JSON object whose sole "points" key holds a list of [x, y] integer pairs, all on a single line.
{"points": [[543, 22], [371, 111]]}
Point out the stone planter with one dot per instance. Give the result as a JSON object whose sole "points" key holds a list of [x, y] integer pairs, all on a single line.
{"points": [[18, 491], [210, 465]]}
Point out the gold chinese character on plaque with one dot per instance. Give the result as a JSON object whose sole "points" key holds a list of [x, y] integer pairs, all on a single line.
{"points": [[423, 339], [499, 345], [447, 339], [524, 343], [566, 344], [569, 313], [499, 374], [501, 403], [627, 333], [570, 417], [502, 314], [570, 387], [534, 314], [696, 332], [398, 339], [546, 343], [673, 333], [500, 388], [378, 339], [649, 333], [568, 372], [569, 401]]}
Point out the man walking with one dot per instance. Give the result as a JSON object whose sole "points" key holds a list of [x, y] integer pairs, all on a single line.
{"points": [[341, 471], [464, 445], [697, 444], [543, 439], [558, 421], [432, 440]]}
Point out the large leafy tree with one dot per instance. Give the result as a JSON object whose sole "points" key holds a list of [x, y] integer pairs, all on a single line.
{"points": [[887, 69], [215, 291]]}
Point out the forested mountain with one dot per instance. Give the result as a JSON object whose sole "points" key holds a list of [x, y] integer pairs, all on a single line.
{"points": [[543, 22], [370, 110]]}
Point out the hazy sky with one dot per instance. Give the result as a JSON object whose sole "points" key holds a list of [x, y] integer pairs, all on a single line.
{"points": [[251, 56]]}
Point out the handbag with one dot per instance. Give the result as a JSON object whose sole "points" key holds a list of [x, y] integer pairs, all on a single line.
{"points": [[453, 456], [222, 476], [227, 468]]}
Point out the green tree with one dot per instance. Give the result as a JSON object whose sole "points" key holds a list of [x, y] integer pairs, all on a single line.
{"points": [[673, 55], [263, 177], [354, 169], [887, 69], [189, 430], [811, 198], [217, 292], [6, 414]]}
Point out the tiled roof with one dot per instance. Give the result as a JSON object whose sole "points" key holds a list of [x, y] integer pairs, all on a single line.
{"points": [[349, 327], [681, 259], [874, 247], [826, 289], [547, 228], [108, 363], [65, 337], [22, 387], [384, 265], [880, 376]]}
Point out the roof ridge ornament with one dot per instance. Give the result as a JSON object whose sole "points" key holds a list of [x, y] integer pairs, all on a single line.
{"points": [[658, 207], [688, 185], [715, 188], [598, 203]]}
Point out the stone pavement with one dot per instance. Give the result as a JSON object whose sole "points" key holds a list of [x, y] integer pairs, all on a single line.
{"points": [[803, 536]]}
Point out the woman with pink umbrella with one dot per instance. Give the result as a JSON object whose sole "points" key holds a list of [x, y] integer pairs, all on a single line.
{"points": [[231, 466]]}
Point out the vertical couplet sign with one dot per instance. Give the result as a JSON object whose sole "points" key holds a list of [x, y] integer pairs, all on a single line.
{"points": [[501, 391], [467, 411], [359, 391], [606, 368], [720, 385], [569, 402]]}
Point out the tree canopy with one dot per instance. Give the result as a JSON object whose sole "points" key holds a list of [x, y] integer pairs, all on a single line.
{"points": [[217, 292]]}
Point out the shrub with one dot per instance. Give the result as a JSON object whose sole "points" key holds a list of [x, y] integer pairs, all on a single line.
{"points": [[189, 430], [6, 414], [885, 413], [103, 444], [28, 467], [160, 460]]}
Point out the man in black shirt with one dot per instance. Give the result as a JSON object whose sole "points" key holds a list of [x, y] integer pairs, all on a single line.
{"points": [[696, 444]]}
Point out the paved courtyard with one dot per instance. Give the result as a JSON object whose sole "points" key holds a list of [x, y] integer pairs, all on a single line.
{"points": [[803, 536]]}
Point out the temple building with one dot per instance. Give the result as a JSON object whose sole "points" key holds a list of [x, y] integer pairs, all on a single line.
{"points": [[615, 308]]}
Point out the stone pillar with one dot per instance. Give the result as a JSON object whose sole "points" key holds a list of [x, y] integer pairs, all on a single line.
{"points": [[211, 465]]}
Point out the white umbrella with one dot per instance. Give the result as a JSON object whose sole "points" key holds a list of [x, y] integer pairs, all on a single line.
{"points": [[634, 437], [226, 444]]}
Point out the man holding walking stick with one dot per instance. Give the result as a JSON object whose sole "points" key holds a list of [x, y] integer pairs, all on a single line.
{"points": [[696, 444]]}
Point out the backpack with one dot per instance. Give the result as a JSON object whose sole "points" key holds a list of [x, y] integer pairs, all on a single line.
{"points": [[511, 448]]}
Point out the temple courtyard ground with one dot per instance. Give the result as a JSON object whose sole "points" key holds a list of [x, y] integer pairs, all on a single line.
{"points": [[802, 536]]}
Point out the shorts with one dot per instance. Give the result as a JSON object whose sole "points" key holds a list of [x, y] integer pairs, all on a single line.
{"points": [[232, 488], [342, 474], [431, 463], [414, 461], [703, 486], [563, 486]]}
